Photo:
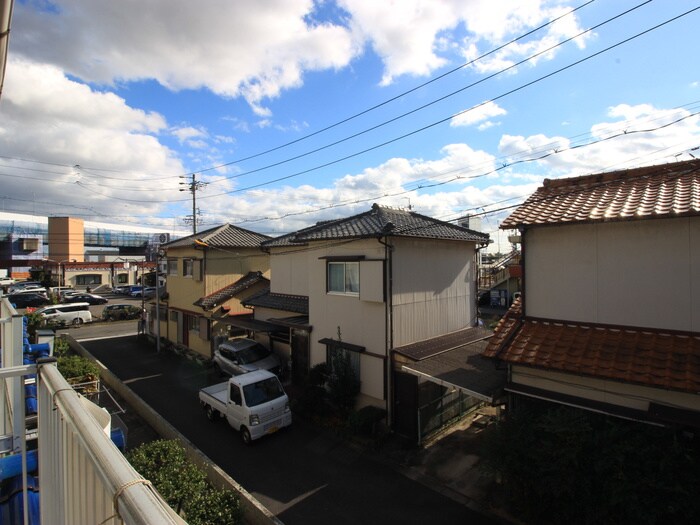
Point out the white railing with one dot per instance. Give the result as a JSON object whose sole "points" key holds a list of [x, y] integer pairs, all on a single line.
{"points": [[84, 477]]}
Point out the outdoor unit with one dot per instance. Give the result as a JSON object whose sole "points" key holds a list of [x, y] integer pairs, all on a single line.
{"points": [[160, 238]]}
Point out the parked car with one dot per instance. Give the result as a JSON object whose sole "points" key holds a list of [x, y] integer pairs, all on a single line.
{"points": [[119, 312], [239, 356], [135, 290], [26, 300], [32, 289], [22, 285], [73, 313], [57, 290], [149, 291], [6, 281], [67, 293], [90, 298], [122, 289]]}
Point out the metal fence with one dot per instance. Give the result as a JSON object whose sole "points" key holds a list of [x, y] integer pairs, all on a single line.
{"points": [[441, 412]]}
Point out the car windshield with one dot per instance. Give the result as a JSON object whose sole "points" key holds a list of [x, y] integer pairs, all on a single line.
{"points": [[262, 391], [254, 353]]}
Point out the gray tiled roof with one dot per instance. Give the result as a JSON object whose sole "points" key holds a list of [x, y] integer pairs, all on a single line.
{"points": [[227, 292], [380, 222], [224, 236], [291, 303]]}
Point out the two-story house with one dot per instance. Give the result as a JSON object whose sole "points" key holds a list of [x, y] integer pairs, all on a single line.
{"points": [[208, 275], [609, 318], [369, 286]]}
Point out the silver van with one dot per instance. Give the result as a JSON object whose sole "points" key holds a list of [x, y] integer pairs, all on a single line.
{"points": [[71, 313]]}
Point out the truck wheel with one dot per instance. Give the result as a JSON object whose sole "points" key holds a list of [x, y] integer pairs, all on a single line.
{"points": [[77, 321], [211, 413], [245, 436]]}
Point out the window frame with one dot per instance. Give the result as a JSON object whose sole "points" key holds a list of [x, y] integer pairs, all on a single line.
{"points": [[188, 268], [172, 267], [88, 279], [347, 286]]}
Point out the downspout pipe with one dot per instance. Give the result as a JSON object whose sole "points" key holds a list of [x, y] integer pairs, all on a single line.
{"points": [[388, 327]]}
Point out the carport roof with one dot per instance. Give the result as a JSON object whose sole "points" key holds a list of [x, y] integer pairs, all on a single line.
{"points": [[455, 360], [463, 368]]}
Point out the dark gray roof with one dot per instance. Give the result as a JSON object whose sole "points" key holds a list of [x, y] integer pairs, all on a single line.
{"points": [[380, 222], [291, 303], [227, 292], [224, 236]]}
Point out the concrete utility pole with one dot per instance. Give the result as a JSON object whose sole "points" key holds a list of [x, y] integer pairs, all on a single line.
{"points": [[192, 186]]}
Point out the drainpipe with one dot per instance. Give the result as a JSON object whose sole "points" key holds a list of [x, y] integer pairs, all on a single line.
{"points": [[477, 276], [389, 329], [522, 231]]}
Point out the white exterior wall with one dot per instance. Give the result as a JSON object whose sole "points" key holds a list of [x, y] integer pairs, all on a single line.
{"points": [[290, 268], [643, 273], [433, 288], [361, 322]]}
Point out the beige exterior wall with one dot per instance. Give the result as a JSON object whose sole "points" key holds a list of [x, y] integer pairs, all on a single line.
{"points": [[66, 239], [290, 266], [433, 287], [218, 269], [611, 392], [638, 273]]}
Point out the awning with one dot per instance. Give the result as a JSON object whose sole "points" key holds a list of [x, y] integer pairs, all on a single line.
{"points": [[297, 321], [248, 323], [463, 368]]}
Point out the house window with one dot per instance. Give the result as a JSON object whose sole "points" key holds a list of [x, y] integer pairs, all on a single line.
{"points": [[338, 358], [88, 280], [122, 278], [187, 267], [344, 277], [192, 323], [172, 266], [173, 315]]}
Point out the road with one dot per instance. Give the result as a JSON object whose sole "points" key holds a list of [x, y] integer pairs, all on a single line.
{"points": [[304, 474]]}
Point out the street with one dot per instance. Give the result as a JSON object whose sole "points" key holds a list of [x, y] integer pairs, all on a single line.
{"points": [[305, 475]]}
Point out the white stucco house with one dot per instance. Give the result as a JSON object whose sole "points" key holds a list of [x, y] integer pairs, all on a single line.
{"points": [[371, 285], [609, 318]]}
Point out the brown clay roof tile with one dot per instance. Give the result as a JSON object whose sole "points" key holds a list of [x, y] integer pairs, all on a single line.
{"points": [[668, 190], [668, 360]]}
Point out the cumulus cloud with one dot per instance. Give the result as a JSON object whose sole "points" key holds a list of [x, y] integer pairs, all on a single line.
{"points": [[50, 118], [245, 48], [635, 135], [478, 114]]}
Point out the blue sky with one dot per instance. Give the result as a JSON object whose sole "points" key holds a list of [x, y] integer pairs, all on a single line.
{"points": [[294, 111]]}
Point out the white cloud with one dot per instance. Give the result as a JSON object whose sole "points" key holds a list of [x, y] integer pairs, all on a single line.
{"points": [[243, 48], [479, 113], [50, 118], [636, 136]]}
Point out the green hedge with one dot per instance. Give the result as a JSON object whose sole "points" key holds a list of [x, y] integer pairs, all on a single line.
{"points": [[563, 465]]}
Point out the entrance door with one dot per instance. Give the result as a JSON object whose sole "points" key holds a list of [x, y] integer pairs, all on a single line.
{"points": [[300, 356], [406, 405]]}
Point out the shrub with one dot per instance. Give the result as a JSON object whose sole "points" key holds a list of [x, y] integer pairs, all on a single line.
{"points": [[564, 465], [76, 367], [364, 421], [183, 485], [343, 386]]}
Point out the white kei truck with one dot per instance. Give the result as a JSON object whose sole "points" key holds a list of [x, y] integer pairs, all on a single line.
{"points": [[254, 403]]}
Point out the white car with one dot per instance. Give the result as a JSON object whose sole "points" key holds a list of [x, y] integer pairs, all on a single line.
{"points": [[239, 356]]}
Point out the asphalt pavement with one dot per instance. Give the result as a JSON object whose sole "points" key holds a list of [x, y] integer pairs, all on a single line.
{"points": [[304, 474]]}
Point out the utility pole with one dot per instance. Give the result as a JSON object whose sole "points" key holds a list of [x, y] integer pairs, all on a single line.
{"points": [[192, 186]]}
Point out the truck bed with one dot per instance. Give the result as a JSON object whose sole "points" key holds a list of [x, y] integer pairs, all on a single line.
{"points": [[215, 395]]}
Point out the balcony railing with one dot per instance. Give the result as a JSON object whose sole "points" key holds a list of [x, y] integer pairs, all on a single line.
{"points": [[84, 477]]}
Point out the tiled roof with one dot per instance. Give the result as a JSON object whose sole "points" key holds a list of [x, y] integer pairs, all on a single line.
{"points": [[291, 303], [668, 360], [669, 190], [381, 222], [225, 236], [227, 292]]}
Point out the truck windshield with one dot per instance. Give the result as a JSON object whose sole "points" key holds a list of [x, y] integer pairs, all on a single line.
{"points": [[252, 354], [262, 391]]}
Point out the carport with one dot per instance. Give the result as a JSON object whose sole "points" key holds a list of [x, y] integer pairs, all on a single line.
{"points": [[288, 335], [442, 379]]}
